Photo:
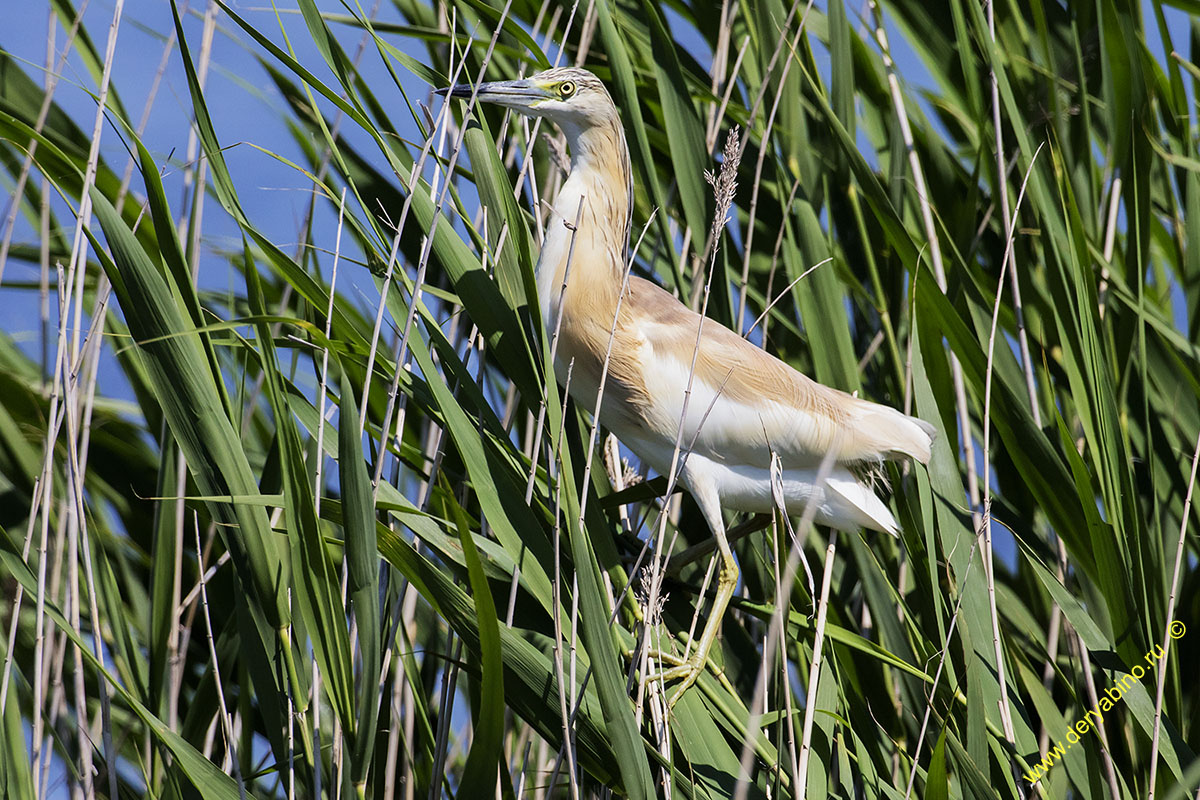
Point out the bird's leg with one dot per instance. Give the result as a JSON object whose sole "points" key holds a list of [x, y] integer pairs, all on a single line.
{"points": [[687, 671], [737, 533]]}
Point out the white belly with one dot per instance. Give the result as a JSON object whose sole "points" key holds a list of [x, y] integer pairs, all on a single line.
{"points": [[841, 500]]}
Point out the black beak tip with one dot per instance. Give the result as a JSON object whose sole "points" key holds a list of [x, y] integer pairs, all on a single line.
{"points": [[461, 90]]}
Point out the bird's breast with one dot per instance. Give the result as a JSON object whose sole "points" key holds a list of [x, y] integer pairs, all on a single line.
{"points": [[588, 340]]}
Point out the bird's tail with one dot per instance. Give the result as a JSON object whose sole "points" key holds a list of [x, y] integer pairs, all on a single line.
{"points": [[892, 434], [853, 504]]}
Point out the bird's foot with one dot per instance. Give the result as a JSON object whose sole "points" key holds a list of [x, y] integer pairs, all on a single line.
{"points": [[686, 671], [677, 668]]}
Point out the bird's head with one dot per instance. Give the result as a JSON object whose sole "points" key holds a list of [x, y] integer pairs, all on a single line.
{"points": [[573, 98]]}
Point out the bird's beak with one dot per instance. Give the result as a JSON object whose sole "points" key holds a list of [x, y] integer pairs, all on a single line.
{"points": [[521, 94]]}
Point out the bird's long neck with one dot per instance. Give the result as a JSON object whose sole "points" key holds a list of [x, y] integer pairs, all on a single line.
{"points": [[598, 194]]}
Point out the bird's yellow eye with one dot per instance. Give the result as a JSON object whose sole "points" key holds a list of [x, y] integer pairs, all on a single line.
{"points": [[566, 89]]}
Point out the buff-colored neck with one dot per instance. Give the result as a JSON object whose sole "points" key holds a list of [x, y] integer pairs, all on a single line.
{"points": [[600, 180]]}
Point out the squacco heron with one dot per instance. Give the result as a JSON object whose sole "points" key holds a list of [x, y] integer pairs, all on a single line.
{"points": [[745, 404]]}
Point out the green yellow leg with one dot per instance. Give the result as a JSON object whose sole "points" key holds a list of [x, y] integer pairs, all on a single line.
{"points": [[686, 671], [736, 533]]}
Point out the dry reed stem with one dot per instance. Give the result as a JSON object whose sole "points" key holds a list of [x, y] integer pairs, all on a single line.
{"points": [[1110, 234], [796, 557], [1014, 281], [595, 432], [44, 332], [323, 385], [781, 591], [105, 711], [526, 170], [593, 435], [74, 617], [558, 317], [591, 18], [1023, 347], [290, 774], [765, 139], [576, 698], [1094, 702], [753, 117], [724, 188], [400, 353], [408, 619], [556, 600], [226, 719], [449, 683], [413, 181], [1110, 770], [315, 702], [937, 675], [731, 83], [766, 320], [1166, 645], [720, 63], [519, 793], [46, 484], [52, 78], [763, 316], [56, 655], [66, 384], [814, 671], [1005, 711], [935, 255], [194, 177], [44, 312]]}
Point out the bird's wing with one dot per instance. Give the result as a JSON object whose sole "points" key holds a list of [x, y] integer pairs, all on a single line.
{"points": [[745, 402]]}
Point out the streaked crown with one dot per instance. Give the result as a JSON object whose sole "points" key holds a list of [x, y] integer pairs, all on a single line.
{"points": [[569, 96]]}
